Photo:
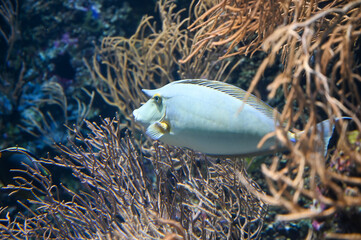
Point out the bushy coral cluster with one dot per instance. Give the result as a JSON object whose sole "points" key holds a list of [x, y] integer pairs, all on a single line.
{"points": [[128, 191]]}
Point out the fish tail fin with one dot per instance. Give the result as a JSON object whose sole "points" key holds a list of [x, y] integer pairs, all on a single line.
{"points": [[326, 128], [292, 136]]}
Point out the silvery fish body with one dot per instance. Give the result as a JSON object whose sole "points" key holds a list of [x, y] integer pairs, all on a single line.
{"points": [[208, 116]]}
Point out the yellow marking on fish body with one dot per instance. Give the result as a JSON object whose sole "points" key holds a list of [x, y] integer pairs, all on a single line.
{"points": [[157, 130]]}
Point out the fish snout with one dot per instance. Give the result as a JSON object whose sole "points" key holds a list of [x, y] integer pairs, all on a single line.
{"points": [[136, 115]]}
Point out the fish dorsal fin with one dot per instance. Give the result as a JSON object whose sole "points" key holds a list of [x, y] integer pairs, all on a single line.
{"points": [[233, 91]]}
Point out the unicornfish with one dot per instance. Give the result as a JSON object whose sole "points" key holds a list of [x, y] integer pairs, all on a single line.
{"points": [[211, 117]]}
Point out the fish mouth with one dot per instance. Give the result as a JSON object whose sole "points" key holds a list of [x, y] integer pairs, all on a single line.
{"points": [[136, 115]]}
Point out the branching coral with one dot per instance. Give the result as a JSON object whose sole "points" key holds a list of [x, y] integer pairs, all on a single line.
{"points": [[321, 77], [9, 28], [318, 42], [242, 26], [49, 123], [130, 192], [11, 75]]}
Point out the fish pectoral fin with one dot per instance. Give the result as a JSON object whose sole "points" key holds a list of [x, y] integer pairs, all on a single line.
{"points": [[157, 130]]}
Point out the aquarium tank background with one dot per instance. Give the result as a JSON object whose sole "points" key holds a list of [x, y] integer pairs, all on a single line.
{"points": [[74, 165]]}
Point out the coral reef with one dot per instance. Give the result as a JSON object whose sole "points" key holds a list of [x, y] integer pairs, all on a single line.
{"points": [[305, 60]]}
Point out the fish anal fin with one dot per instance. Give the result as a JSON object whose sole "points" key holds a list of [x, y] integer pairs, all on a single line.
{"points": [[157, 130]]}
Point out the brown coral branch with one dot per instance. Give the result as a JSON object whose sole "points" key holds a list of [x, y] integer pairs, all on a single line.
{"points": [[122, 196]]}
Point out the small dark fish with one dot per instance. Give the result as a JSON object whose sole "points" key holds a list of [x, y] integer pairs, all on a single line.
{"points": [[15, 161]]}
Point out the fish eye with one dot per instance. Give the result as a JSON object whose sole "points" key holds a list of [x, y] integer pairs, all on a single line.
{"points": [[157, 98]]}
